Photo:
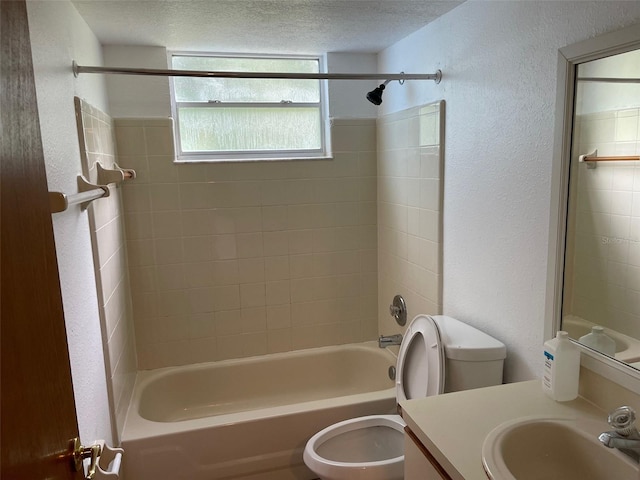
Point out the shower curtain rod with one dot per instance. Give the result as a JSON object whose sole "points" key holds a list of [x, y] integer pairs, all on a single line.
{"points": [[78, 69]]}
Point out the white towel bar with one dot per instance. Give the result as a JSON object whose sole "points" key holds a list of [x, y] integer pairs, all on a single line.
{"points": [[87, 191]]}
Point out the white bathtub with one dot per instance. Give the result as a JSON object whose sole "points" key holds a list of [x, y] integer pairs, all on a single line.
{"points": [[249, 418]]}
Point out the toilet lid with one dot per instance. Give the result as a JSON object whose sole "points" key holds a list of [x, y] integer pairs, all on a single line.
{"points": [[420, 369]]}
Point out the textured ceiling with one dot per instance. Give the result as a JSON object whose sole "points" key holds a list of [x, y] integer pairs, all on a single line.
{"points": [[260, 26]]}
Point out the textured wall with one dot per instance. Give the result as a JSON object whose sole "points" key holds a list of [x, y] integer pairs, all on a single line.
{"points": [[58, 36], [132, 95], [499, 63]]}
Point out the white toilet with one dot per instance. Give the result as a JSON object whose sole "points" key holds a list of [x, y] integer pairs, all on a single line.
{"points": [[438, 354]]}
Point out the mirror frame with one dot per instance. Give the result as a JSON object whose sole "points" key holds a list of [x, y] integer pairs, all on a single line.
{"points": [[569, 57]]}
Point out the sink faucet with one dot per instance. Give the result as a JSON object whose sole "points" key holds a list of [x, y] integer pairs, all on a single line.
{"points": [[387, 341], [624, 436]]}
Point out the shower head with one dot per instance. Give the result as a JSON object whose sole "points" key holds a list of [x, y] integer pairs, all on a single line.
{"points": [[375, 95]]}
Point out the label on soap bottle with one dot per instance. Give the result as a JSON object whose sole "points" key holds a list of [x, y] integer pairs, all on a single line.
{"points": [[546, 374]]}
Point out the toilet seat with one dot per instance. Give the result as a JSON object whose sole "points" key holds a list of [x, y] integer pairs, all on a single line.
{"points": [[371, 447], [420, 366], [345, 449]]}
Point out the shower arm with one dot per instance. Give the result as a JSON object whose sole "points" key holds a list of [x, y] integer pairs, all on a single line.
{"points": [[436, 77]]}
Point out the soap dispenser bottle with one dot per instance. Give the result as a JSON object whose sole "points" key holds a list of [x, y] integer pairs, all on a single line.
{"points": [[561, 371], [600, 341]]}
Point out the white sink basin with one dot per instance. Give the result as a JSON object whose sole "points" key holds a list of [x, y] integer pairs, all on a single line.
{"points": [[553, 449]]}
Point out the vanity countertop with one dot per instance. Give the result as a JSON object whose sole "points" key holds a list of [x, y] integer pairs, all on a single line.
{"points": [[453, 426]]}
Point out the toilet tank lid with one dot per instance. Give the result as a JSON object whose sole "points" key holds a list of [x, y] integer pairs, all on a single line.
{"points": [[464, 342]]}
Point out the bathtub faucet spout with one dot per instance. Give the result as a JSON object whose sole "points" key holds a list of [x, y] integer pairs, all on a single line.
{"points": [[387, 341]]}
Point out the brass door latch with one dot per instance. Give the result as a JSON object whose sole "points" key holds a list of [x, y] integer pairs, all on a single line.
{"points": [[110, 457]]}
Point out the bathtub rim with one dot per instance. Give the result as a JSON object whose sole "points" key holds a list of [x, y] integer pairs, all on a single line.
{"points": [[137, 427]]}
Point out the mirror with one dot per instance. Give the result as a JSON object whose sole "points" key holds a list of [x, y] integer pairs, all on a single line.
{"points": [[599, 286], [602, 258]]}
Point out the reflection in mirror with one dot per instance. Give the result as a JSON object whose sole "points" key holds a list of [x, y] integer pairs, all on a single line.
{"points": [[601, 295]]}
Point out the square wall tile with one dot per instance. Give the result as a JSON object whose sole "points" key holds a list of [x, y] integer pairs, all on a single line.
{"points": [[408, 242], [111, 266], [234, 244]]}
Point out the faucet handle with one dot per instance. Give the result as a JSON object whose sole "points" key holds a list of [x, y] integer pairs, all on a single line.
{"points": [[398, 310], [622, 420]]}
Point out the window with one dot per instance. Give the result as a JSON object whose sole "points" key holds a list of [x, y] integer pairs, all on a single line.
{"points": [[247, 119]]}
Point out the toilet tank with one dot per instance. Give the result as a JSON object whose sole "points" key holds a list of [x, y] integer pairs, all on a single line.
{"points": [[473, 359]]}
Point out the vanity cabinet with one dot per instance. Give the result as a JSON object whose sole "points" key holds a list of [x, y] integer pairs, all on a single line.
{"points": [[419, 464]]}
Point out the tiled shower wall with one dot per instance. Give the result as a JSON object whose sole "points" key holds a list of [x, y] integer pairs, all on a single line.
{"points": [[95, 132], [240, 259], [605, 276], [410, 166]]}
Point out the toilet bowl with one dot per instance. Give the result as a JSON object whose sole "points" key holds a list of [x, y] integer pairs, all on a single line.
{"points": [[372, 447], [360, 448]]}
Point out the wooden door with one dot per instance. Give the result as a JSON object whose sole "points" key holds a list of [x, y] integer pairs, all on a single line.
{"points": [[38, 416]]}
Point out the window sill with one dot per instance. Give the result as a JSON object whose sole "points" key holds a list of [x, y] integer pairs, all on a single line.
{"points": [[252, 159]]}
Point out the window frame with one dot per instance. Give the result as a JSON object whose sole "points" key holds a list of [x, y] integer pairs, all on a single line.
{"points": [[252, 155]]}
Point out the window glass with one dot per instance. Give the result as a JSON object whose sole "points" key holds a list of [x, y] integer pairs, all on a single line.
{"points": [[247, 129], [192, 89], [235, 118]]}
